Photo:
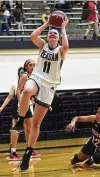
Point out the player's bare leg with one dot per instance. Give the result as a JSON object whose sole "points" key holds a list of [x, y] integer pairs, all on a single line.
{"points": [[39, 114]]}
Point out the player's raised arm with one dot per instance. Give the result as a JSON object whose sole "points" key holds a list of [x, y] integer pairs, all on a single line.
{"points": [[71, 126], [35, 35], [65, 43]]}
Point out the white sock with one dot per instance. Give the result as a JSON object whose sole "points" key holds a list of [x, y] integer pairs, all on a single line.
{"points": [[13, 150]]}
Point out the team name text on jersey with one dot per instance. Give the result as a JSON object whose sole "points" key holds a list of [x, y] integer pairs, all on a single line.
{"points": [[49, 56]]}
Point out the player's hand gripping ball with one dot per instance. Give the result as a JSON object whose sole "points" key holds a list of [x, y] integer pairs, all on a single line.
{"points": [[57, 18]]}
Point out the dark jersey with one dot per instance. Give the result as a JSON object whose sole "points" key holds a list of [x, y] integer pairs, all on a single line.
{"points": [[27, 77], [15, 107], [96, 133], [94, 142], [12, 92], [15, 103]]}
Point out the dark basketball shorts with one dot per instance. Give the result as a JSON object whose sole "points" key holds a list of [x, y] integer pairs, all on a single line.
{"points": [[89, 148], [28, 114], [15, 114]]}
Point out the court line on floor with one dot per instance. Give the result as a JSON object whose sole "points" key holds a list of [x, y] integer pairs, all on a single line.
{"points": [[43, 148], [78, 51]]}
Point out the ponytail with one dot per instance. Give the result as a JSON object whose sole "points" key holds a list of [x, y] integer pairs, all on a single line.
{"points": [[20, 71]]}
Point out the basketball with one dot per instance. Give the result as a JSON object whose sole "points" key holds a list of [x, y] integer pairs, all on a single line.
{"points": [[57, 18]]}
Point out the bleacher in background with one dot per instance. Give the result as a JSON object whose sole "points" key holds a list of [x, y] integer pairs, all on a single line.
{"points": [[33, 11], [66, 105]]}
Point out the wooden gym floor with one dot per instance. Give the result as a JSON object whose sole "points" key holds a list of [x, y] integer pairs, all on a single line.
{"points": [[55, 162]]}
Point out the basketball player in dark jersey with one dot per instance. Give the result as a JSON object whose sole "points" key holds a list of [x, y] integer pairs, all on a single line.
{"points": [[23, 74], [16, 99], [90, 152], [27, 71], [12, 96]]}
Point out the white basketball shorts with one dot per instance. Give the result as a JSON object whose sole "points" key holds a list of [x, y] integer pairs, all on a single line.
{"points": [[46, 92]]}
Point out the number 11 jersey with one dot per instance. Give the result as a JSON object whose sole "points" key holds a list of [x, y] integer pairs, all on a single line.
{"points": [[49, 64]]}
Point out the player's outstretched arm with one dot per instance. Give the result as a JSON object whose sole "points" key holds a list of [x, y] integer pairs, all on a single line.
{"points": [[35, 35], [71, 126], [6, 101], [8, 98], [65, 43]]}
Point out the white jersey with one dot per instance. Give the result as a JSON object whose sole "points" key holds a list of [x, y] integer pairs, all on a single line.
{"points": [[49, 64], [13, 89]]}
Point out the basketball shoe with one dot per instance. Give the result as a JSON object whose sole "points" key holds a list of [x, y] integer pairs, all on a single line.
{"points": [[88, 163], [14, 157], [35, 155]]}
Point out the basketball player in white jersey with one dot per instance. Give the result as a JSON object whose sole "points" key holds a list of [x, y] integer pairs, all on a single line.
{"points": [[43, 82]]}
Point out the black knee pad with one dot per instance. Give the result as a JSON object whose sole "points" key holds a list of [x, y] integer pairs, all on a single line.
{"points": [[76, 159], [96, 156]]}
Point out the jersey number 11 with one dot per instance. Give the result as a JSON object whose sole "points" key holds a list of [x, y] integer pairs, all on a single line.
{"points": [[46, 67]]}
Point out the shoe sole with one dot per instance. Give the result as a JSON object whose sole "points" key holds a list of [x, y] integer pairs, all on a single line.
{"points": [[35, 156], [8, 153], [24, 171], [15, 131]]}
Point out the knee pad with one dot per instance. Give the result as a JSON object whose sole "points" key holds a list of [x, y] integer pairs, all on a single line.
{"points": [[76, 159]]}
